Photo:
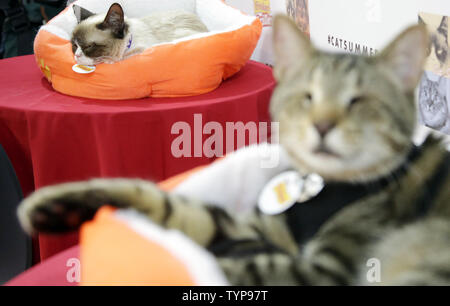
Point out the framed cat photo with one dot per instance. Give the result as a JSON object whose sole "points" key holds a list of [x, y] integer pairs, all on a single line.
{"points": [[434, 89], [438, 58], [298, 10], [434, 96]]}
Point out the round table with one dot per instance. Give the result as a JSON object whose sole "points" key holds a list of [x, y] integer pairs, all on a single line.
{"points": [[53, 138]]}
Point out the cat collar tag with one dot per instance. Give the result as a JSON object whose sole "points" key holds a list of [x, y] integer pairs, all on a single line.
{"points": [[83, 69], [287, 189], [280, 193]]}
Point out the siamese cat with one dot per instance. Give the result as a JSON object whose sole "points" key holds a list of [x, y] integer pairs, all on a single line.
{"points": [[439, 40], [111, 37]]}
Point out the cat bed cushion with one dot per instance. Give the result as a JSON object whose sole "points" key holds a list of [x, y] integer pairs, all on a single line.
{"points": [[189, 66], [121, 247], [142, 253]]}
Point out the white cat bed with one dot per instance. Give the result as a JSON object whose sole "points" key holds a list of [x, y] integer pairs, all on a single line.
{"points": [[189, 66]]}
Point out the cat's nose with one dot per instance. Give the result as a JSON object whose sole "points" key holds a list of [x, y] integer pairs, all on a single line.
{"points": [[324, 127]]}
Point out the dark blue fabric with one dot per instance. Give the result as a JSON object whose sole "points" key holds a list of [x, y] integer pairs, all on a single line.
{"points": [[15, 245], [305, 219]]}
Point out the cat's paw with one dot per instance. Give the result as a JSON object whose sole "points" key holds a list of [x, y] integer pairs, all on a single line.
{"points": [[56, 209]]}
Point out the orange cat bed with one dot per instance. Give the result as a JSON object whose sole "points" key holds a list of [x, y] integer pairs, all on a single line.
{"points": [[122, 247], [189, 66]]}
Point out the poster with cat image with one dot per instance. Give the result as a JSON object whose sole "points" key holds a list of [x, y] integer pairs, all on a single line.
{"points": [[298, 10], [434, 98], [438, 59], [365, 27], [367, 23]]}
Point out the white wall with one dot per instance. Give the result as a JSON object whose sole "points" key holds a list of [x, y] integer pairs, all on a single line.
{"points": [[369, 22], [366, 23], [374, 23]]}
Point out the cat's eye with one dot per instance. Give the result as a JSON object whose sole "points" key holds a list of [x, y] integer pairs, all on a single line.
{"points": [[355, 100], [92, 45]]}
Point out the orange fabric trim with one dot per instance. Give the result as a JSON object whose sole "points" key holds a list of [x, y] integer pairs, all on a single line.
{"points": [[114, 255], [162, 71]]}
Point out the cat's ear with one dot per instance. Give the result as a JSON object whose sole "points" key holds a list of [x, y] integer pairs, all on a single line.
{"points": [[406, 56], [291, 46], [81, 13], [421, 21], [114, 20], [443, 27]]}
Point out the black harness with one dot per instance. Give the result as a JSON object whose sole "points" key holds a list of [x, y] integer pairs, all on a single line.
{"points": [[305, 219]]}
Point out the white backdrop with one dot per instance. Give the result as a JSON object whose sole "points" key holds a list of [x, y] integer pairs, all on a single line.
{"points": [[335, 25], [365, 27], [370, 22]]}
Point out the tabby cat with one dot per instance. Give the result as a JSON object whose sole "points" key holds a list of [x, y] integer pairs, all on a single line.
{"points": [[433, 102], [112, 37], [349, 119]]}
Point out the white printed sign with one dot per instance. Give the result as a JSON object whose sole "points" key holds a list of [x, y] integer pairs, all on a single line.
{"points": [[366, 26]]}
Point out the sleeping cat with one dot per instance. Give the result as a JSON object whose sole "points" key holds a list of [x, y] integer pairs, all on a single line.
{"points": [[113, 37], [349, 119], [433, 102]]}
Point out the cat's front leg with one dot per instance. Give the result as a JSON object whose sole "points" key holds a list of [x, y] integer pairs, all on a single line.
{"points": [[109, 61], [134, 51], [65, 207]]}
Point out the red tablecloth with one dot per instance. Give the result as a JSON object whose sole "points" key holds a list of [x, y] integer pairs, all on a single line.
{"points": [[52, 138], [62, 269]]}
